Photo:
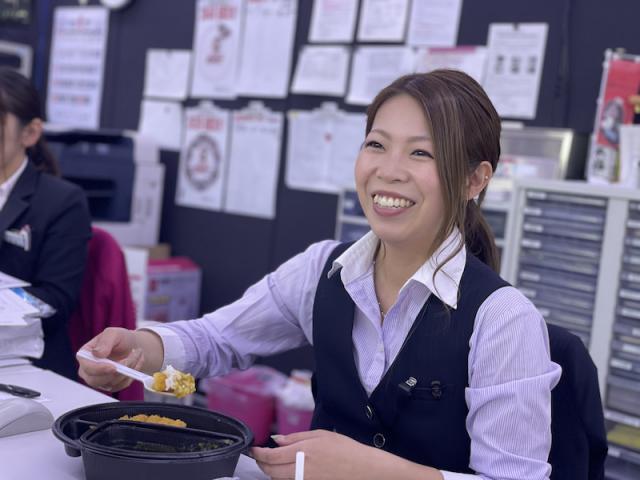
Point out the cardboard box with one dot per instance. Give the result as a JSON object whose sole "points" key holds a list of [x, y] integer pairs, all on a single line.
{"points": [[161, 251], [173, 290]]}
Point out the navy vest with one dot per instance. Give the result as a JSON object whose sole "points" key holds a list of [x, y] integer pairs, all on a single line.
{"points": [[418, 409]]}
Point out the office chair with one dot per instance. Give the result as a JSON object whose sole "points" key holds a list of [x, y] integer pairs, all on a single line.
{"points": [[105, 299], [579, 441]]}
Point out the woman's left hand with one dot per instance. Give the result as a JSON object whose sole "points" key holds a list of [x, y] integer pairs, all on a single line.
{"points": [[327, 455]]}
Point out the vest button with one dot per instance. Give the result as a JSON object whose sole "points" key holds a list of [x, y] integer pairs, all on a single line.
{"points": [[369, 412], [378, 440], [436, 389]]}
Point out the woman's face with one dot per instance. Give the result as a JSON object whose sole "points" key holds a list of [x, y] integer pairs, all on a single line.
{"points": [[397, 177], [11, 143]]}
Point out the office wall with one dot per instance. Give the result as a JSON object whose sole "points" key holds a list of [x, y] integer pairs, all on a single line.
{"points": [[236, 251]]}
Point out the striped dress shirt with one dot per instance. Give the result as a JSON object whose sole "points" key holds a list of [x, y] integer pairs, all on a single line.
{"points": [[510, 371]]}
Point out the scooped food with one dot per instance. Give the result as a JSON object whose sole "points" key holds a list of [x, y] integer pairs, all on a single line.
{"points": [[141, 417], [174, 381]]}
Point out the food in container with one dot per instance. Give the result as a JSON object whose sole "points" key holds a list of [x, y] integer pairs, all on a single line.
{"points": [[141, 417]]}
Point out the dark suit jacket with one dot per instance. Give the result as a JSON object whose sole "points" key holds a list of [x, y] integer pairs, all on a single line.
{"points": [[579, 441], [57, 214]]}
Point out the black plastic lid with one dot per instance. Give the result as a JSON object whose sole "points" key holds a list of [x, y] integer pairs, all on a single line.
{"points": [[149, 440], [71, 426]]}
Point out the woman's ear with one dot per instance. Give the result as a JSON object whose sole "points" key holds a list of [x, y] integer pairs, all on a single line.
{"points": [[31, 133], [479, 179]]}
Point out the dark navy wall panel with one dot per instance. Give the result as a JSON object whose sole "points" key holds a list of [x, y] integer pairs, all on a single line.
{"points": [[235, 251]]}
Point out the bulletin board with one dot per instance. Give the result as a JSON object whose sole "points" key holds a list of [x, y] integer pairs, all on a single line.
{"points": [[236, 251]]}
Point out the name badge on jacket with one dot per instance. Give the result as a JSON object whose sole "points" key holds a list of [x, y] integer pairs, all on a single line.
{"points": [[20, 238]]}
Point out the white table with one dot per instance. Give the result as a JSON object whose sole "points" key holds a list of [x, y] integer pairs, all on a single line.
{"points": [[40, 455]]}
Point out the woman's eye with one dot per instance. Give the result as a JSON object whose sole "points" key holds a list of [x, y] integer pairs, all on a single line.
{"points": [[373, 144], [422, 153]]}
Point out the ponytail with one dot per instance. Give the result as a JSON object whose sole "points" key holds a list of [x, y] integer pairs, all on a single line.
{"points": [[479, 239], [42, 158], [20, 98]]}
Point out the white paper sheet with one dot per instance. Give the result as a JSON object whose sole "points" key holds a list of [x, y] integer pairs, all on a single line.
{"points": [[216, 48], [322, 148], [162, 121], [203, 159], [630, 156], [13, 309], [434, 22], [471, 60], [254, 160], [348, 135], [382, 20], [373, 68], [514, 67], [167, 73], [321, 71], [76, 66], [22, 340], [308, 151], [267, 48], [333, 21], [137, 260], [7, 281]]}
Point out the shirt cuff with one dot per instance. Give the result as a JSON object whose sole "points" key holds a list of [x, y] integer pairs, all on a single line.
{"points": [[458, 476], [174, 352]]}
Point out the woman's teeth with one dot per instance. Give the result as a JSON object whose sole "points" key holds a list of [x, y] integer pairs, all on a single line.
{"points": [[392, 202]]}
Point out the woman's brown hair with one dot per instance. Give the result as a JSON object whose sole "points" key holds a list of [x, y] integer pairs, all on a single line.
{"points": [[20, 98], [465, 130]]}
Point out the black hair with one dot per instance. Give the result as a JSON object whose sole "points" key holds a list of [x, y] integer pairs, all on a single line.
{"points": [[20, 98]]}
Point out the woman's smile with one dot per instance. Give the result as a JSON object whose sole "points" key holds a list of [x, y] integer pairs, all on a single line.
{"points": [[390, 204]]}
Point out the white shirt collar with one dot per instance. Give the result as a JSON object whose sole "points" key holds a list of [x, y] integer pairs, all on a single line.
{"points": [[7, 186], [357, 259]]}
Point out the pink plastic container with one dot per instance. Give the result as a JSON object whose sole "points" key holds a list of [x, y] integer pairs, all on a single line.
{"points": [[248, 396], [291, 419]]}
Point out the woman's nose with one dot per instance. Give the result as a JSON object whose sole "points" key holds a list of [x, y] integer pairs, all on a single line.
{"points": [[391, 169]]}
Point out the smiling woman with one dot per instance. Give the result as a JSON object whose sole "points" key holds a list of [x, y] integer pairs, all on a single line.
{"points": [[428, 364]]}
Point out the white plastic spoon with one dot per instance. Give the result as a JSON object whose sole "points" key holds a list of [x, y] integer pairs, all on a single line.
{"points": [[147, 380]]}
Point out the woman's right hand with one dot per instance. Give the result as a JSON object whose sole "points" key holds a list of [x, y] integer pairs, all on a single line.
{"points": [[118, 344]]}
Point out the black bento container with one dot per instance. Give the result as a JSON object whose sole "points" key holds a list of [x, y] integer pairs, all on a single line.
{"points": [[133, 450]]}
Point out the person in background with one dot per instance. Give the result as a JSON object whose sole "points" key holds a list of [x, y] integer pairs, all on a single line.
{"points": [[47, 215], [428, 364]]}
